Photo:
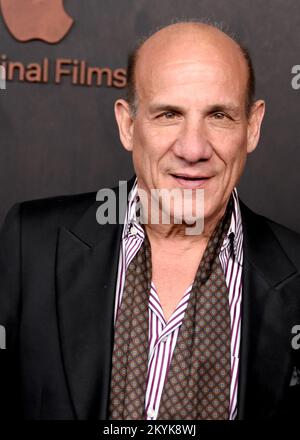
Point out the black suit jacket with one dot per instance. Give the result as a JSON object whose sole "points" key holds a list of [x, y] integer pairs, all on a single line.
{"points": [[58, 271]]}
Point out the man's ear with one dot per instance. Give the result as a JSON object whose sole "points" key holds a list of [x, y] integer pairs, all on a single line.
{"points": [[125, 123], [254, 123]]}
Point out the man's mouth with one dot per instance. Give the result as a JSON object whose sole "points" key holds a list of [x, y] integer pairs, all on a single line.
{"points": [[190, 181]]}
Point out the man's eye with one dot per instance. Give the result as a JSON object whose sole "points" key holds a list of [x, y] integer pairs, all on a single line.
{"points": [[219, 115], [167, 115]]}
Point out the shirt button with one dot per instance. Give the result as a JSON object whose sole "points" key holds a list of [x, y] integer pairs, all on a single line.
{"points": [[164, 339], [151, 412], [133, 230]]}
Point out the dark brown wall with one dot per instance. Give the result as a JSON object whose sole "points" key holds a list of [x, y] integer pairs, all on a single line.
{"points": [[63, 139]]}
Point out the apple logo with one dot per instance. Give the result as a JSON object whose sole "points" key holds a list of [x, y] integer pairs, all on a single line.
{"points": [[44, 20]]}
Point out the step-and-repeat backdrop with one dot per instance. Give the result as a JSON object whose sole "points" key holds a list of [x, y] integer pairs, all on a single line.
{"points": [[65, 64]]}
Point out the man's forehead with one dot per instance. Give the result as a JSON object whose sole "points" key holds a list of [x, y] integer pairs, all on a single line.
{"points": [[179, 75], [189, 38], [194, 48]]}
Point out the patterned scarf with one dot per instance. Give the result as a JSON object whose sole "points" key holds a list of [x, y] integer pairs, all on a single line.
{"points": [[197, 385]]}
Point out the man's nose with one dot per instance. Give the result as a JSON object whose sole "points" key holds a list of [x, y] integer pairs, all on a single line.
{"points": [[193, 144]]}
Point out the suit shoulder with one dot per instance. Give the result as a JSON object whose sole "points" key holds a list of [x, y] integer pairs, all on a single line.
{"points": [[59, 210], [288, 239], [59, 201], [284, 232], [260, 226], [41, 216]]}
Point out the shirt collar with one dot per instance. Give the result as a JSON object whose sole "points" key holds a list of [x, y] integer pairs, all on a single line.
{"points": [[131, 224], [234, 236]]}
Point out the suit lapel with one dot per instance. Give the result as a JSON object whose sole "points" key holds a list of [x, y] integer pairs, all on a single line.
{"points": [[265, 361], [86, 274]]}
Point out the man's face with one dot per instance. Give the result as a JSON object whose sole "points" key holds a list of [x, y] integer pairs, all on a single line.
{"points": [[191, 129]]}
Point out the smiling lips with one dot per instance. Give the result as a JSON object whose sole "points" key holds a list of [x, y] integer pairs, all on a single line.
{"points": [[191, 182]]}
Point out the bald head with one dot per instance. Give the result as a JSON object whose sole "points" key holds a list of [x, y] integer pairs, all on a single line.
{"points": [[185, 42]]}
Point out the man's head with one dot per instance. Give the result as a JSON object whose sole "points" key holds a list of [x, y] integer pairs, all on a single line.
{"points": [[193, 120]]}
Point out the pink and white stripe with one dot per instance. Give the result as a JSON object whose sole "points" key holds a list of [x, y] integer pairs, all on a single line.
{"points": [[162, 334]]}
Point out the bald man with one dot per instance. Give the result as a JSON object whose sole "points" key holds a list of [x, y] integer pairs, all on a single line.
{"points": [[194, 318]]}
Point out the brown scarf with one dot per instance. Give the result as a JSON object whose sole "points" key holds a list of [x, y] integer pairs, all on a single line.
{"points": [[197, 385]]}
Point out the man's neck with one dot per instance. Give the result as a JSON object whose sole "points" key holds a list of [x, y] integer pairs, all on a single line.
{"points": [[173, 238]]}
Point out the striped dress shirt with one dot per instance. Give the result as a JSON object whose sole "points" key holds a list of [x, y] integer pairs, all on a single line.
{"points": [[162, 334]]}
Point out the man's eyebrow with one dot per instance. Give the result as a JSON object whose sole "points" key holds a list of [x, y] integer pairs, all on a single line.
{"points": [[161, 107], [230, 108]]}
